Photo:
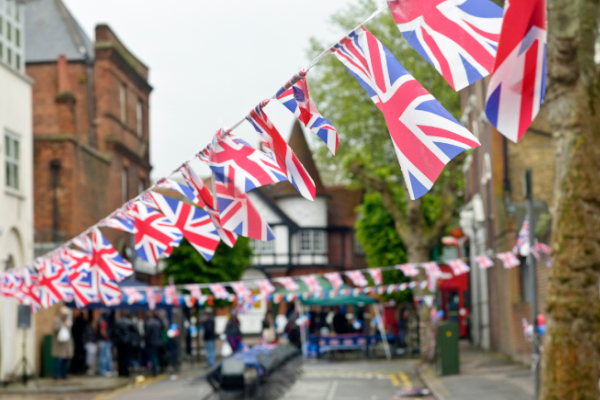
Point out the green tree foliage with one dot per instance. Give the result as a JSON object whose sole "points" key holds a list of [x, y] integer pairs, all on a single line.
{"points": [[186, 265], [366, 154]]}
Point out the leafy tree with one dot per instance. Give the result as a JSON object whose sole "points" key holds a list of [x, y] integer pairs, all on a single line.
{"points": [[186, 265], [366, 154]]}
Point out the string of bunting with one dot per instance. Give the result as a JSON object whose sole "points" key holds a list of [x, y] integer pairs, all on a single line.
{"points": [[464, 41]]}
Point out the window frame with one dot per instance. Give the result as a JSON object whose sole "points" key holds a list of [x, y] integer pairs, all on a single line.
{"points": [[317, 241], [123, 103], [139, 118], [12, 178], [261, 247]]}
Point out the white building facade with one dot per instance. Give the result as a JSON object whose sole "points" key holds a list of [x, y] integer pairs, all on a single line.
{"points": [[16, 180]]}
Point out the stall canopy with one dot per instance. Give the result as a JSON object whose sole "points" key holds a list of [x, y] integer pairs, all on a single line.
{"points": [[128, 282], [337, 300]]}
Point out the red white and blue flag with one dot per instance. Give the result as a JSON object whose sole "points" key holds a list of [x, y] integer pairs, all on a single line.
{"points": [[119, 220], [458, 37], [107, 261], [458, 267], [30, 288], [288, 283], [294, 96], [240, 167], [376, 275], [193, 222], [518, 82], [312, 283], [241, 290], [133, 295], [335, 279], [155, 233], [108, 291], [409, 270], [219, 291], [432, 269], [425, 135], [357, 278], [237, 214], [54, 283], [484, 262], [151, 297], [509, 260], [522, 237], [265, 286], [78, 265], [181, 188], [281, 152]]}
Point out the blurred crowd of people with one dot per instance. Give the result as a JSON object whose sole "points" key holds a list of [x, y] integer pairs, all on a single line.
{"points": [[92, 345]]}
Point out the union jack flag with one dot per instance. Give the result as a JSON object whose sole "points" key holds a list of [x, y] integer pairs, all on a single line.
{"points": [[458, 267], [181, 188], [219, 291], [146, 199], [84, 243], [133, 295], [119, 220], [312, 283], [195, 291], [170, 293], [193, 222], [288, 283], [357, 278], [54, 283], [336, 280], [425, 136], [237, 214], [202, 196], [282, 153], [107, 261], [31, 290], [523, 236], [78, 265], [484, 262], [241, 290], [108, 291], [155, 233], [9, 284], [542, 248], [18, 280], [294, 96], [409, 270], [432, 269], [150, 297], [239, 167], [458, 37], [265, 286], [518, 82], [508, 259], [204, 154], [376, 275]]}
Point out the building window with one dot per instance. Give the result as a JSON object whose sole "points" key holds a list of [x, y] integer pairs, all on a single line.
{"points": [[125, 185], [1, 50], [123, 103], [8, 31], [359, 250], [11, 151], [261, 247], [312, 241], [1, 25], [17, 61], [9, 56], [17, 38], [139, 118]]}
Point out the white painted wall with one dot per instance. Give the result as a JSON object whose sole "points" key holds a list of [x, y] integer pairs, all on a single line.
{"points": [[264, 210], [304, 212], [16, 217]]}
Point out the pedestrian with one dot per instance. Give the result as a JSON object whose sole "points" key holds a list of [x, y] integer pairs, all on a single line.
{"points": [[62, 343], [340, 322], [293, 331], [89, 339], [153, 341], [78, 361], [105, 364], [268, 334], [209, 336], [123, 338], [233, 332]]}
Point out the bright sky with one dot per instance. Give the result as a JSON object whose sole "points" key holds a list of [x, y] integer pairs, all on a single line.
{"points": [[211, 61]]}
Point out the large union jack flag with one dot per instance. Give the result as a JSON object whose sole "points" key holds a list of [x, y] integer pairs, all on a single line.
{"points": [[458, 37], [484, 262], [193, 222], [219, 291], [30, 288], [155, 233], [54, 283], [181, 188], [357, 278], [376, 275], [282, 153], [108, 291], [119, 220], [409, 270], [106, 261], [509, 260], [237, 214], [312, 283], [265, 286], [335, 279], [294, 96], [458, 267], [518, 83], [240, 167], [288, 283], [425, 136]]}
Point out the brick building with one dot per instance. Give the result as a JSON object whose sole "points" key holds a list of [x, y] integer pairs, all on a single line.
{"points": [[494, 213], [90, 126]]}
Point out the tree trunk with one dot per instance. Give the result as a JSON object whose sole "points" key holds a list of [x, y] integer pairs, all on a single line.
{"points": [[571, 355]]}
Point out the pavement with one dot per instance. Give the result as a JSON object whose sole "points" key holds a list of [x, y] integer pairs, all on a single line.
{"points": [[483, 375]]}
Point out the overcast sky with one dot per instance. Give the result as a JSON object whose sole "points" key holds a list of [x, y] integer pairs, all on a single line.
{"points": [[211, 61]]}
